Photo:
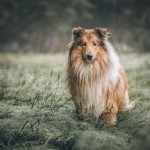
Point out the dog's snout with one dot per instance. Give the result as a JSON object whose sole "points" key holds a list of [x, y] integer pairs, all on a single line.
{"points": [[89, 56]]}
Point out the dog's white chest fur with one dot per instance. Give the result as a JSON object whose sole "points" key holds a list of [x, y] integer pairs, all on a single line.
{"points": [[91, 97], [90, 93]]}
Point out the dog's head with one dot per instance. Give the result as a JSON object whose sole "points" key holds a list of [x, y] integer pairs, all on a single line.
{"points": [[90, 42]]}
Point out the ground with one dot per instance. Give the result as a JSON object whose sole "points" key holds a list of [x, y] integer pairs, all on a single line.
{"points": [[36, 111]]}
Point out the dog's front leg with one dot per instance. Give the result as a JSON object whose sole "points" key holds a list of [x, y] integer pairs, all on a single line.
{"points": [[110, 114]]}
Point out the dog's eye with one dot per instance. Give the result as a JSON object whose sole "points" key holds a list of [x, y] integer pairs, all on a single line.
{"points": [[94, 44], [83, 44]]}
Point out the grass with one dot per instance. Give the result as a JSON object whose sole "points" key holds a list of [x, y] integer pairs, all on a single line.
{"points": [[36, 111]]}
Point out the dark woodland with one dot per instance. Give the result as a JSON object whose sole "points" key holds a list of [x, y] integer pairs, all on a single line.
{"points": [[46, 25]]}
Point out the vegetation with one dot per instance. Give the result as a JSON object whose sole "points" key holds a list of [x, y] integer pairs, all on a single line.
{"points": [[37, 111], [39, 25]]}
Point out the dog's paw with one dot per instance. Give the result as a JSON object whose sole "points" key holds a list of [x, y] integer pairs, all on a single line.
{"points": [[111, 121]]}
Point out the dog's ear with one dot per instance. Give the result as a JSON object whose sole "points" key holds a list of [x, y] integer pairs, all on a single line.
{"points": [[102, 32], [77, 32]]}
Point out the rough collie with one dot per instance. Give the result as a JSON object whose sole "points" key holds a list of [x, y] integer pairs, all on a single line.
{"points": [[96, 79]]}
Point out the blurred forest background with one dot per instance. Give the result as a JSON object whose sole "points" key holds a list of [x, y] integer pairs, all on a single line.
{"points": [[45, 25]]}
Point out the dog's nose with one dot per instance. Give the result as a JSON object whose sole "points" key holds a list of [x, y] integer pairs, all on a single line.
{"points": [[89, 56]]}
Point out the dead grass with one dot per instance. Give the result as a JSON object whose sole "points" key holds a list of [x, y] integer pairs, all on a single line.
{"points": [[37, 112]]}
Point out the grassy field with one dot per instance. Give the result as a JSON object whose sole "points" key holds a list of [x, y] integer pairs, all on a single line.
{"points": [[36, 111]]}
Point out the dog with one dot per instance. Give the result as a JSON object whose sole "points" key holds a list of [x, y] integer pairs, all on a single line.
{"points": [[96, 79]]}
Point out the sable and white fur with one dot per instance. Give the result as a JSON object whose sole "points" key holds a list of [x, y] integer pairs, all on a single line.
{"points": [[99, 87]]}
